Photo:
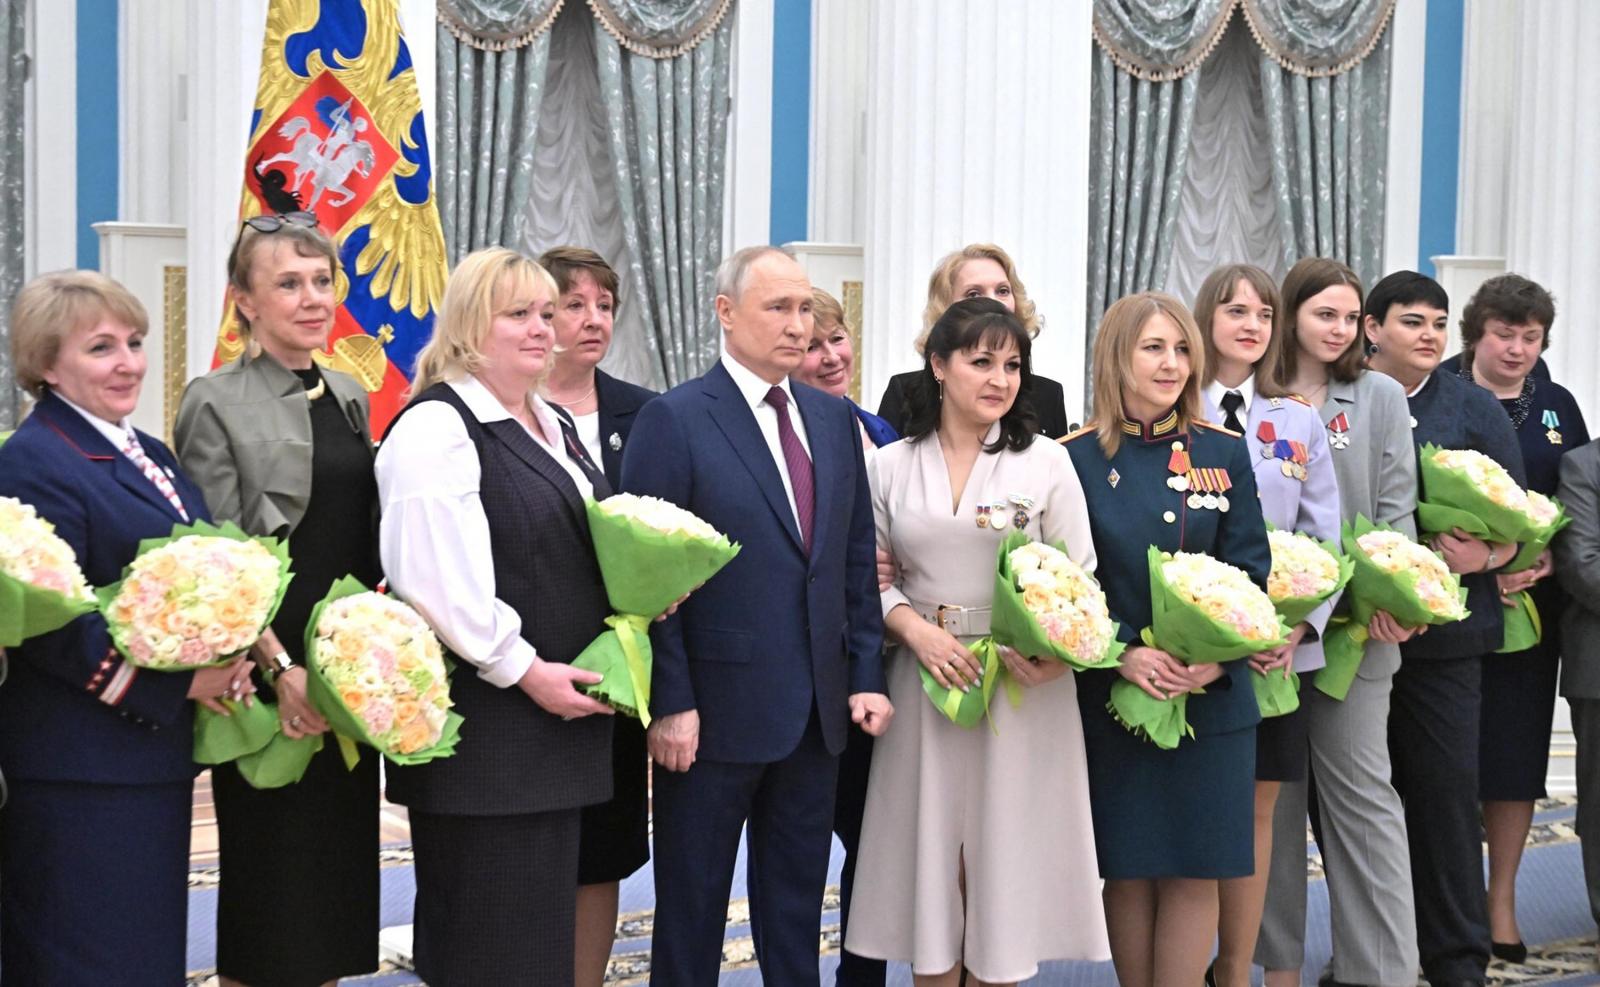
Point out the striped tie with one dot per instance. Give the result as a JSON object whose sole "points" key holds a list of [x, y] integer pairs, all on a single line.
{"points": [[798, 463], [156, 474]]}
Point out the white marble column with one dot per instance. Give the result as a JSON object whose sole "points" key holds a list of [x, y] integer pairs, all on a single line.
{"points": [[1488, 77], [838, 118], [977, 130], [153, 119]]}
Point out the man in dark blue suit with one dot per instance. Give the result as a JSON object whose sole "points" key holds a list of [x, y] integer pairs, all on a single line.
{"points": [[758, 676]]}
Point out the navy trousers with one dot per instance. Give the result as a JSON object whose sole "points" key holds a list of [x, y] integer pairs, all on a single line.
{"points": [[787, 807]]}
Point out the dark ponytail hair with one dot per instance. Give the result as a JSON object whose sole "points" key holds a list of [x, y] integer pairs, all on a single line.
{"points": [[968, 325]]}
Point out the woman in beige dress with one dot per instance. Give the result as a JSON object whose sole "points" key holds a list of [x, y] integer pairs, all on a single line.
{"points": [[977, 848]]}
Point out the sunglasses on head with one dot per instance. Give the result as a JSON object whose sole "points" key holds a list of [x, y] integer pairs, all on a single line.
{"points": [[272, 224]]}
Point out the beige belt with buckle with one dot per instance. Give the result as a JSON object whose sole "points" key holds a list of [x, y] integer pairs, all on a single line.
{"points": [[958, 621]]}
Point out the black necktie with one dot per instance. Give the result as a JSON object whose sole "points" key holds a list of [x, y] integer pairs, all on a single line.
{"points": [[1231, 403], [578, 454]]}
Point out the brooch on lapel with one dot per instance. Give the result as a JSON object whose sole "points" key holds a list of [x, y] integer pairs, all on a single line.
{"points": [[1553, 423], [1339, 431], [615, 442]]}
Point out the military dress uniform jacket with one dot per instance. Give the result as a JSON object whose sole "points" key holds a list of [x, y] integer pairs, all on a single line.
{"points": [[1132, 506]]}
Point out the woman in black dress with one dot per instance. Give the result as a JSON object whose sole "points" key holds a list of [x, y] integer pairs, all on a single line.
{"points": [[1504, 329], [978, 270], [613, 841], [282, 447]]}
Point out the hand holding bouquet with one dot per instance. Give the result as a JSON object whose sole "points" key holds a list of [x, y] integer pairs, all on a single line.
{"points": [[1305, 573], [1524, 626], [652, 553], [377, 673], [41, 587], [1394, 574], [197, 598], [1202, 610], [1463, 488]]}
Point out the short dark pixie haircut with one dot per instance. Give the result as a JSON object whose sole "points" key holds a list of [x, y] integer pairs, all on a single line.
{"points": [[968, 325], [1404, 288], [1511, 297]]}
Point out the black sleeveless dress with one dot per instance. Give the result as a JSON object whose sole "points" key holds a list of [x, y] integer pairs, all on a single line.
{"points": [[298, 902]]}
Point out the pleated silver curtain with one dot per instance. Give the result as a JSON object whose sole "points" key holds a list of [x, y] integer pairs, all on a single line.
{"points": [[12, 74], [664, 73], [1327, 113], [492, 57]]}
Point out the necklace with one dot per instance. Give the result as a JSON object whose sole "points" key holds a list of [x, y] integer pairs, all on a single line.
{"points": [[578, 400], [321, 388], [1521, 405]]}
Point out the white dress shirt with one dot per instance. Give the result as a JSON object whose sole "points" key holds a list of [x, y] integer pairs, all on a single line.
{"points": [[1247, 390], [119, 434], [588, 427], [434, 536], [755, 391]]}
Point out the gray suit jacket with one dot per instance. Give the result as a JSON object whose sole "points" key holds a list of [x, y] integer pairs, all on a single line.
{"points": [[244, 435], [1577, 559], [1377, 471]]}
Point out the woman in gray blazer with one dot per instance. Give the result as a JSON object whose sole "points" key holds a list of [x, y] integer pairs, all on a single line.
{"points": [[282, 448], [1362, 833], [1577, 552]]}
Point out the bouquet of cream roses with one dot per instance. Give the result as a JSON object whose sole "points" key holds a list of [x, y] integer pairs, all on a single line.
{"points": [[1463, 488], [41, 587], [1305, 573], [1045, 606], [1524, 625], [651, 553], [1202, 610], [1394, 574], [199, 597]]}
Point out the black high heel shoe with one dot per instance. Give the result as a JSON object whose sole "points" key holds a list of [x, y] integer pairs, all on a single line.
{"points": [[1511, 952], [1211, 975]]}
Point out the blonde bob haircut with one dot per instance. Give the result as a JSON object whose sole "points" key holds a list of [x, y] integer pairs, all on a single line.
{"points": [[1218, 290], [485, 284], [942, 288], [826, 314], [1114, 343], [307, 241], [52, 307]]}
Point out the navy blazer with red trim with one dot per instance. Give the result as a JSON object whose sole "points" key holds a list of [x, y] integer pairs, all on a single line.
{"points": [[65, 714]]}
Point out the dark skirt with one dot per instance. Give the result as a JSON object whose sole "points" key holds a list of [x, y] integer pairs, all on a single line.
{"points": [[496, 898], [1283, 747], [1187, 812], [302, 861], [1519, 702], [614, 838], [95, 887]]}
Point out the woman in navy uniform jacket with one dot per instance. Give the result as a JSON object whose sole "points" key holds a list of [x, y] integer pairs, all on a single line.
{"points": [[1168, 824], [94, 850]]}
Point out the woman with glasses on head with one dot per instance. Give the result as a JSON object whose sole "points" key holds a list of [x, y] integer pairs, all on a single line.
{"points": [[94, 846], [978, 270], [282, 447]]}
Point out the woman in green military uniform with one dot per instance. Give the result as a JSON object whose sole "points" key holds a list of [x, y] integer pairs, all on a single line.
{"points": [[1168, 824]]}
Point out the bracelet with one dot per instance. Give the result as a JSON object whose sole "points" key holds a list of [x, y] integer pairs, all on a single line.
{"points": [[1489, 562], [277, 664]]}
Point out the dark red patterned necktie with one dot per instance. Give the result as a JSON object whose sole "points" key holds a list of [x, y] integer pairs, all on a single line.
{"points": [[798, 463]]}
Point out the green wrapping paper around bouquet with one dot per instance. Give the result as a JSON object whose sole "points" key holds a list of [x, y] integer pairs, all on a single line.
{"points": [[108, 594], [1524, 624], [1275, 694], [1189, 634], [348, 726], [1012, 625], [1371, 589], [1449, 499], [645, 571], [28, 611], [965, 709], [252, 738], [281, 762]]}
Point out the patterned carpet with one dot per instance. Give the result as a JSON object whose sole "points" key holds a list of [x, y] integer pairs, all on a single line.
{"points": [[1551, 900]]}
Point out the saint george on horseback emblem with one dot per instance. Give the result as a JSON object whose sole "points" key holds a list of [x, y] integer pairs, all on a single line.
{"points": [[323, 154]]}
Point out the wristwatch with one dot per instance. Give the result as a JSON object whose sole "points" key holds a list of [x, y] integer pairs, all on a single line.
{"points": [[1489, 563], [277, 665]]}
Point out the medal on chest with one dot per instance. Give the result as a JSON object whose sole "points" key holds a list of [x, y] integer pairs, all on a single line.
{"points": [[1339, 431], [1553, 425], [1178, 466], [1208, 489]]}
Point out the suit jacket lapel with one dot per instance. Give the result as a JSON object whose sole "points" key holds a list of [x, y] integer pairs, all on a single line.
{"points": [[611, 423], [511, 434], [738, 423], [89, 443]]}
